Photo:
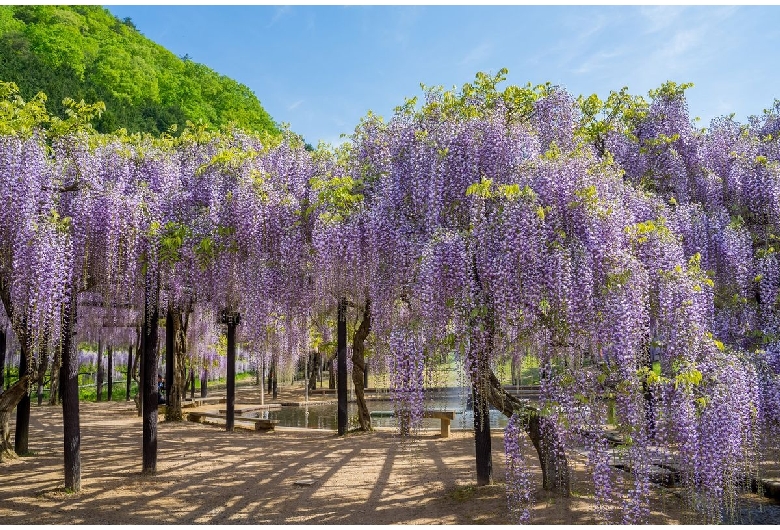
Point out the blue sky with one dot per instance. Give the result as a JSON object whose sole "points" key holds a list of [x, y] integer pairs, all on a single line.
{"points": [[321, 68]]}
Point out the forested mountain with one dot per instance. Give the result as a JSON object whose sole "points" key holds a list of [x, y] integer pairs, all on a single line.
{"points": [[84, 52]]}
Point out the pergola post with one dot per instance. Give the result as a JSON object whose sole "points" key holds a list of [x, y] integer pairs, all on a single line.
{"points": [[231, 319], [342, 366]]}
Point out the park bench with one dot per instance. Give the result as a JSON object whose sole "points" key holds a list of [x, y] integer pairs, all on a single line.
{"points": [[258, 423], [198, 401], [445, 416], [242, 409], [527, 392]]}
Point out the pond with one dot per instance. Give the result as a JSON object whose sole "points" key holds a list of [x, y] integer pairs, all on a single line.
{"points": [[325, 416]]}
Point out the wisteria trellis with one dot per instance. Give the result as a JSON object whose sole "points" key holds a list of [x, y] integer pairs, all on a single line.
{"points": [[480, 224]]}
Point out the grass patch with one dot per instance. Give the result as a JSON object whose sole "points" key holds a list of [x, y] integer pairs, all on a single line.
{"points": [[463, 493]]}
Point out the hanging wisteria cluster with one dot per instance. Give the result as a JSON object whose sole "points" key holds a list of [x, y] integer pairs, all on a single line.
{"points": [[633, 254]]}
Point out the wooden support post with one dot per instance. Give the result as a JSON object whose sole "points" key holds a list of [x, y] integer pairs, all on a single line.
{"points": [[342, 366], [99, 376], [2, 358], [169, 357], [231, 319], [22, 432], [110, 370]]}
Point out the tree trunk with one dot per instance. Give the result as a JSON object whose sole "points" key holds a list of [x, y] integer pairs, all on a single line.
{"points": [[555, 466], [141, 370], [482, 440], [149, 380], [170, 362], [274, 383], [192, 384], [331, 374], [312, 375], [99, 382], [2, 360], [186, 384], [43, 366], [69, 386], [341, 355], [178, 391], [8, 401], [22, 433], [129, 376], [359, 367], [176, 370], [54, 387], [204, 383], [110, 370]]}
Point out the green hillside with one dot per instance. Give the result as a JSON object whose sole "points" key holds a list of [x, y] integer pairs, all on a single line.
{"points": [[84, 52]]}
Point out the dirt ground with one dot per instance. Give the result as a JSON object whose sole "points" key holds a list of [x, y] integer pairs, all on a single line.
{"points": [[205, 475]]}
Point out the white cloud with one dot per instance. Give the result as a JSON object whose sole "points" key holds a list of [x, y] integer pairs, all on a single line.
{"points": [[295, 105], [597, 62], [279, 13], [477, 54]]}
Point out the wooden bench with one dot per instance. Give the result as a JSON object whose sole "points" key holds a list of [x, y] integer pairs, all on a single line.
{"points": [[446, 417], [242, 409], [259, 424], [187, 403]]}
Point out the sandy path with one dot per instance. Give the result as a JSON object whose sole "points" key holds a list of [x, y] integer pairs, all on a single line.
{"points": [[206, 475]]}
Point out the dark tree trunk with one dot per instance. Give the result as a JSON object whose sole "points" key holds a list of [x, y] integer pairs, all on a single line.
{"points": [[178, 391], [231, 319], [170, 363], [274, 383], [69, 385], [359, 367], [204, 383], [21, 437], [192, 383], [129, 376], [141, 359], [99, 382], [332, 374], [149, 381], [365, 375], [341, 334], [8, 401], [482, 441], [110, 370], [555, 466], [2, 360], [175, 361], [482, 325]]}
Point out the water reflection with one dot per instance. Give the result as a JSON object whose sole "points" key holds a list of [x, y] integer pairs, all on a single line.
{"points": [[325, 416]]}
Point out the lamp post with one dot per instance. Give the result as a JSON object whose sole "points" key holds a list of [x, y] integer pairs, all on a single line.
{"points": [[231, 319]]}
